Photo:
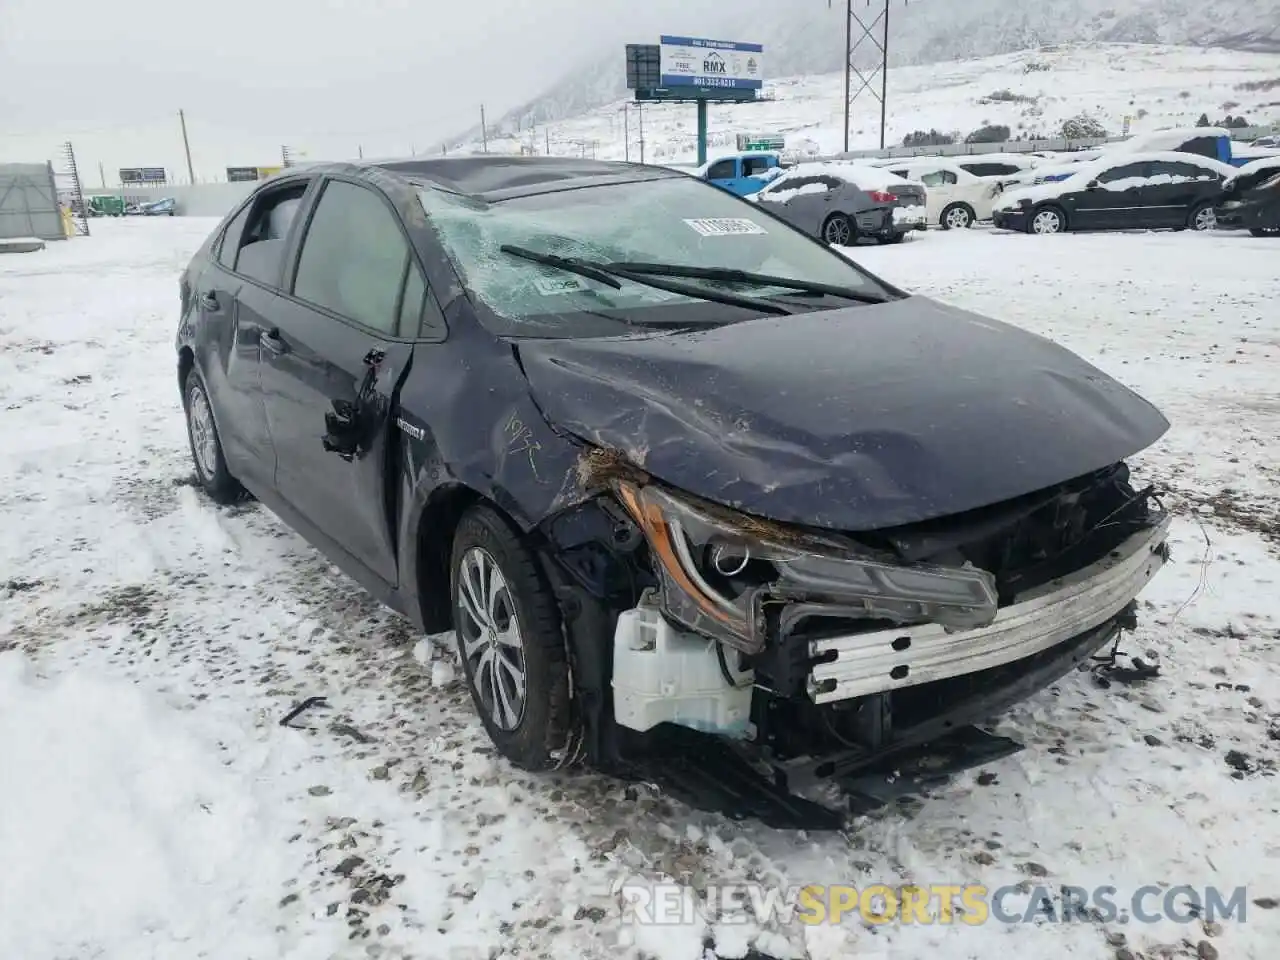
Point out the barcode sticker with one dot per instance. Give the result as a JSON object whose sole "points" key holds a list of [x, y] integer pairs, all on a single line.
{"points": [[725, 227]]}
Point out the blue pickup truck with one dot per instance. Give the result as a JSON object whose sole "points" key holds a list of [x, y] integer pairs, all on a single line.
{"points": [[743, 173]]}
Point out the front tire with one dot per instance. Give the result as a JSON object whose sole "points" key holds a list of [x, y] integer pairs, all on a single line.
{"points": [[1202, 217], [957, 216], [1047, 221], [509, 640], [206, 446]]}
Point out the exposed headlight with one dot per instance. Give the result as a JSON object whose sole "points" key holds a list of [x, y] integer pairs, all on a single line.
{"points": [[720, 569]]}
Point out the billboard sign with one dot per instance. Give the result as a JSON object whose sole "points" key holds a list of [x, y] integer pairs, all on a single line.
{"points": [[143, 175], [246, 174], [696, 62]]}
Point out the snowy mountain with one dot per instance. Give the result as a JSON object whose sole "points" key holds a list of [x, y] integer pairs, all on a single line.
{"points": [[806, 37]]}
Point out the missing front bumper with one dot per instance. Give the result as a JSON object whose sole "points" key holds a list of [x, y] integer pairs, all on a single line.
{"points": [[860, 664]]}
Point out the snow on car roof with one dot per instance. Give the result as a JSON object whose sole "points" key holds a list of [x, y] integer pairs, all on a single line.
{"points": [[1163, 139], [860, 175], [1082, 173]]}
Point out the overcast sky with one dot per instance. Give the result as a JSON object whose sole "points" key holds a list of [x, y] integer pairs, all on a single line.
{"points": [[328, 75]]}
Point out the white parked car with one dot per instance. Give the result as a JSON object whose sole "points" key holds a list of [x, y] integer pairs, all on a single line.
{"points": [[956, 198]]}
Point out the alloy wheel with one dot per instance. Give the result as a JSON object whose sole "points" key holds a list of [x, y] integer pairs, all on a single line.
{"points": [[958, 218], [204, 438], [1047, 221], [1205, 219], [837, 231], [491, 641]]}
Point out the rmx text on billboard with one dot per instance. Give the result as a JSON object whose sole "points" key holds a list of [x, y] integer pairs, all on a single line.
{"points": [[697, 62]]}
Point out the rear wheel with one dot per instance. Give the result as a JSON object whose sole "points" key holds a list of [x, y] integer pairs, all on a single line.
{"points": [[957, 216], [1202, 217], [206, 446], [838, 230], [1047, 220], [509, 640]]}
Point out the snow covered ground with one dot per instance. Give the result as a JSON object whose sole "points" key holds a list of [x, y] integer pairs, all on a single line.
{"points": [[151, 804], [1031, 92]]}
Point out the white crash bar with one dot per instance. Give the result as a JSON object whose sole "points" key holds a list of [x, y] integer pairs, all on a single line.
{"points": [[867, 663]]}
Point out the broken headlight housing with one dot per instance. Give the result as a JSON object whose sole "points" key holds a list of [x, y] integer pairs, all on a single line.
{"points": [[719, 569]]}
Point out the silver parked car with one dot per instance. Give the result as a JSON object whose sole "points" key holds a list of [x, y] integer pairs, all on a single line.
{"points": [[842, 202]]}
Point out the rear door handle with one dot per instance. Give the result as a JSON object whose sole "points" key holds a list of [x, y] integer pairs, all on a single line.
{"points": [[209, 301], [271, 340]]}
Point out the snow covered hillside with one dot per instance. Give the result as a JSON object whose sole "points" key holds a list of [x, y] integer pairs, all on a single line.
{"points": [[809, 38], [150, 644], [1031, 92]]}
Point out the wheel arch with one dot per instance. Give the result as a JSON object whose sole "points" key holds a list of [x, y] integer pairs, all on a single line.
{"points": [[186, 361], [964, 205]]}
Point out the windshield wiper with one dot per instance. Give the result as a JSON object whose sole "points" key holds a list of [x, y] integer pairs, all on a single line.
{"points": [[729, 275], [607, 273], [580, 267]]}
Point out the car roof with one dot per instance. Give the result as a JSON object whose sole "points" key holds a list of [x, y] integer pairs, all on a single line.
{"points": [[494, 177]]}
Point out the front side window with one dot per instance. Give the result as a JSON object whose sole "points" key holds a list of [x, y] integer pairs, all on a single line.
{"points": [[353, 258], [679, 221], [722, 170]]}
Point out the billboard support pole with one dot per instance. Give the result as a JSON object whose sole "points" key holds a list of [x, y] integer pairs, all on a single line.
{"points": [[702, 132]]}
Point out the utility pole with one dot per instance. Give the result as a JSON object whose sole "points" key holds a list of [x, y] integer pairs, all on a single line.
{"points": [[626, 132], [640, 110], [547, 132], [360, 150], [186, 145], [102, 175], [484, 131]]}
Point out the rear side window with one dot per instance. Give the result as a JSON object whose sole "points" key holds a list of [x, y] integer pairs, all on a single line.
{"points": [[723, 170], [231, 238], [1188, 171], [254, 243], [353, 258]]}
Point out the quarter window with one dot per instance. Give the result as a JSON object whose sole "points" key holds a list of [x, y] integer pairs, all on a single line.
{"points": [[353, 258]]}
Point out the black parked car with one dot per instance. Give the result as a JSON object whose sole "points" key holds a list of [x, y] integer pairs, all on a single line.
{"points": [[1126, 191], [689, 486], [1251, 199]]}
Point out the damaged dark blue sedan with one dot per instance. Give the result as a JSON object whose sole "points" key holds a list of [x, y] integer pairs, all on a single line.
{"points": [[706, 503]]}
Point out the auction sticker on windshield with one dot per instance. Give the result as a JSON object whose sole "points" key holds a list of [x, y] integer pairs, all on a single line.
{"points": [[554, 286], [725, 226]]}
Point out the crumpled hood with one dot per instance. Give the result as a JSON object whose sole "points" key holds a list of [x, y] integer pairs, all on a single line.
{"points": [[852, 419]]}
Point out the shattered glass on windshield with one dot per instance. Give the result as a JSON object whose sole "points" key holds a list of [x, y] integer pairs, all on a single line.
{"points": [[660, 220]]}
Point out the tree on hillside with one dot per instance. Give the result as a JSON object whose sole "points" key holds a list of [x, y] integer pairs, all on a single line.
{"points": [[992, 133], [927, 138], [1082, 127]]}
